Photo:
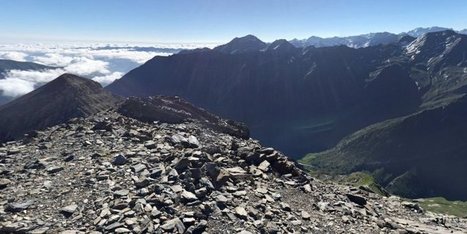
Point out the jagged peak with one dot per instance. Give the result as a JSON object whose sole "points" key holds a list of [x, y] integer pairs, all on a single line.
{"points": [[420, 31], [444, 33], [249, 37], [69, 78], [69, 83], [437, 41], [243, 44], [281, 45]]}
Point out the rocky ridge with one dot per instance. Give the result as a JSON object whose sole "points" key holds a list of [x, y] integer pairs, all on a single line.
{"points": [[175, 110], [68, 96], [111, 173]]}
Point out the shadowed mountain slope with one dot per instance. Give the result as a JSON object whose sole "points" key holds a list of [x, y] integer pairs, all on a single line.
{"points": [[298, 100], [66, 97]]}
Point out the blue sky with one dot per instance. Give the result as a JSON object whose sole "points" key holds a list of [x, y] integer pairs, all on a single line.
{"points": [[219, 20]]}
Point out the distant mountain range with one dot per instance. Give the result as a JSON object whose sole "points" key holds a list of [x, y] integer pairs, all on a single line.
{"points": [[287, 95], [7, 65], [308, 99], [365, 40]]}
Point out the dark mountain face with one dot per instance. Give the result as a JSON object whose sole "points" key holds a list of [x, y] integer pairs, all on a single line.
{"points": [[439, 49], [405, 40], [421, 154], [66, 97], [299, 100], [305, 100]]}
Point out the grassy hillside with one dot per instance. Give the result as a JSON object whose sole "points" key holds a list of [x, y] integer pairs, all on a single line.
{"points": [[419, 155], [441, 205]]}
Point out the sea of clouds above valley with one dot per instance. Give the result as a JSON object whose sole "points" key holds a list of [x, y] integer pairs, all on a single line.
{"points": [[103, 63]]}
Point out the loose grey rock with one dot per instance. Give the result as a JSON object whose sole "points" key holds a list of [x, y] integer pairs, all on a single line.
{"points": [[138, 167], [122, 230], [356, 199], [413, 206], [225, 185], [177, 139], [18, 206], [241, 212], [285, 206], [54, 169], [34, 164], [114, 226], [122, 192], [150, 144], [264, 166], [4, 183], [345, 219], [188, 196], [244, 232], [174, 225], [176, 188], [307, 188], [305, 215], [68, 210], [119, 160], [193, 141]]}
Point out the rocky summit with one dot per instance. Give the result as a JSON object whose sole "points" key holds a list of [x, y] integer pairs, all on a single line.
{"points": [[66, 97], [109, 173]]}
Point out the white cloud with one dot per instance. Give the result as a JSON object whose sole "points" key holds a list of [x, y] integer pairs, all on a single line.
{"points": [[13, 55], [136, 56], [85, 66], [37, 77], [107, 79], [52, 59], [103, 63], [13, 87], [17, 83]]}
